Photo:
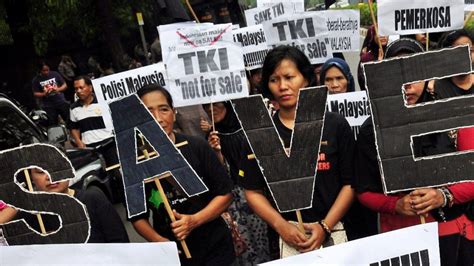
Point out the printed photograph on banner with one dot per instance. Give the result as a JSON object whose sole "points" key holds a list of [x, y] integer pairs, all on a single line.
{"points": [[117, 86], [305, 31], [343, 27], [421, 16], [207, 74], [254, 45], [297, 5], [258, 15], [354, 106]]}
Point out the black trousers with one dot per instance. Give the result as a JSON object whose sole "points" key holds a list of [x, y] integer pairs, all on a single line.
{"points": [[53, 112]]}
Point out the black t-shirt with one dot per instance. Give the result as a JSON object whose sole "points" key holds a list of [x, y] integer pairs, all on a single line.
{"points": [[445, 88], [210, 237], [53, 78], [106, 226], [335, 166]]}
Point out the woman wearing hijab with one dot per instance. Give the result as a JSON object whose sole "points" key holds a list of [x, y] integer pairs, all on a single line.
{"points": [[337, 76]]}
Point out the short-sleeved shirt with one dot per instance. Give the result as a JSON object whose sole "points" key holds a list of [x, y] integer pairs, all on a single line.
{"points": [[211, 237], [335, 166], [53, 78], [89, 121]]}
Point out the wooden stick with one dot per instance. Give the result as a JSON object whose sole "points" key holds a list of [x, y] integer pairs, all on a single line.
{"points": [[371, 7], [192, 11], [171, 214], [468, 17], [422, 219], [212, 116], [300, 221], [141, 157], [30, 188], [427, 41]]}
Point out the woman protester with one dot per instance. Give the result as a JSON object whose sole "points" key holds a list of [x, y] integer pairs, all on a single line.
{"points": [[370, 52], [449, 206], [229, 142], [198, 218], [285, 71], [337, 76]]}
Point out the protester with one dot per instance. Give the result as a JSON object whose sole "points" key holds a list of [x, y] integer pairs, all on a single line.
{"points": [[285, 71], [106, 226], [67, 68], [229, 142], [198, 218], [445, 205], [370, 52], [255, 79], [336, 75], [48, 88]]}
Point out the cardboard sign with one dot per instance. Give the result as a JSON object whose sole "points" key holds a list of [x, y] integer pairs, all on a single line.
{"points": [[421, 16], [343, 27], [258, 15], [169, 159], [415, 245], [254, 45], [206, 67], [291, 176], [354, 106], [305, 31], [74, 220], [166, 253], [396, 124], [113, 87], [297, 5], [468, 5]]}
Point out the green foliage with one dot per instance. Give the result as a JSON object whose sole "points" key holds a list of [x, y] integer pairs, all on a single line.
{"points": [[365, 18], [5, 33], [470, 27]]}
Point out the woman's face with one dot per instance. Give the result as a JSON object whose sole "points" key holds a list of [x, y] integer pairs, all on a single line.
{"points": [[383, 40], [159, 107], [219, 111], [335, 80], [285, 83], [413, 92], [463, 40], [421, 37]]}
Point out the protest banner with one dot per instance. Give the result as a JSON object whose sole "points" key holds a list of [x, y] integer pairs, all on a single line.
{"points": [[113, 87], [169, 159], [165, 253], [469, 5], [421, 16], [415, 245], [343, 27], [354, 106], [254, 45], [74, 224], [205, 66], [289, 175], [397, 125], [297, 5], [308, 33], [258, 15]]}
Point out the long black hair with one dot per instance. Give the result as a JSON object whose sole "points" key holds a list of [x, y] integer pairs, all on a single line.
{"points": [[273, 60], [448, 39], [155, 87]]}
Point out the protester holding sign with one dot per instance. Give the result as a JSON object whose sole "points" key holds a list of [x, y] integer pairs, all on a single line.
{"points": [[444, 205], [197, 218], [337, 76], [286, 70], [370, 52]]}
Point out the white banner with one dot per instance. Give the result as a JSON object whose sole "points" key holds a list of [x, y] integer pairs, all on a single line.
{"points": [[420, 16], [469, 5], [305, 31], [343, 27], [415, 245], [354, 106], [117, 86], [205, 66], [166, 253], [258, 15], [254, 45], [297, 5]]}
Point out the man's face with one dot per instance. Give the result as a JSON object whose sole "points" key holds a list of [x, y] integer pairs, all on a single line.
{"points": [[44, 71], [83, 91], [42, 182]]}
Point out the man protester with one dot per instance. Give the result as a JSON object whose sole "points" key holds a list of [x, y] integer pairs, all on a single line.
{"points": [[88, 128], [48, 88]]}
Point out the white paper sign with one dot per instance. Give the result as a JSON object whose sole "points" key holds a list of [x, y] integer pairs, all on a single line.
{"points": [[298, 5], [258, 15], [343, 27], [354, 106], [406, 246], [305, 31], [206, 66], [420, 16], [469, 5], [162, 253], [117, 86], [254, 45]]}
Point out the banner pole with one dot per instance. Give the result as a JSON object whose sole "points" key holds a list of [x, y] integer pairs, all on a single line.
{"points": [[371, 7]]}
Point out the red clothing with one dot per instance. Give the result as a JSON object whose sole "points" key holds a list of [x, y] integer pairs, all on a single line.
{"points": [[466, 139]]}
